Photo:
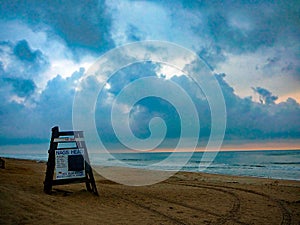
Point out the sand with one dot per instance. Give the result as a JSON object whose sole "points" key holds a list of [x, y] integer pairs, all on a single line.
{"points": [[185, 198]]}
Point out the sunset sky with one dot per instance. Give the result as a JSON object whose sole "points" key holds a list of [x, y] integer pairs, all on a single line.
{"points": [[251, 47]]}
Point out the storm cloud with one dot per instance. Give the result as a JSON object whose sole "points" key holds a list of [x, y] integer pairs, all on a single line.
{"points": [[82, 25]]}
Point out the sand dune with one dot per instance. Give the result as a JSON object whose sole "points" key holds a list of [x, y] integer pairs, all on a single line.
{"points": [[185, 198]]}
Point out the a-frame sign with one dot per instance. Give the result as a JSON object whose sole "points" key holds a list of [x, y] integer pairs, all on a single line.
{"points": [[68, 161]]}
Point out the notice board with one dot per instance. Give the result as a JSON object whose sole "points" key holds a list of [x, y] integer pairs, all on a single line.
{"points": [[69, 164]]}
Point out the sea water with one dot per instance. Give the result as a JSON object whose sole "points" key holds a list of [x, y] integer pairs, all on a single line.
{"points": [[278, 164]]}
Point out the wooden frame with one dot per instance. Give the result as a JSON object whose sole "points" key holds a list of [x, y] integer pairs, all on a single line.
{"points": [[77, 138]]}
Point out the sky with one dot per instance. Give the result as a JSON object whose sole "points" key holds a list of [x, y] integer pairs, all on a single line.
{"points": [[251, 47]]}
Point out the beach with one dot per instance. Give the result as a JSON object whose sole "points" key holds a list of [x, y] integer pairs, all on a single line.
{"points": [[184, 198]]}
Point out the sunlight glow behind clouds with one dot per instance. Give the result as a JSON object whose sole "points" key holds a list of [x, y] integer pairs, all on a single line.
{"points": [[266, 66]]}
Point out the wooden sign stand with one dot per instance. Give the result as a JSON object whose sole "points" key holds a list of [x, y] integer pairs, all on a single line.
{"points": [[74, 159]]}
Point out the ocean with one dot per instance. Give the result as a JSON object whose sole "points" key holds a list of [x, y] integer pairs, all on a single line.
{"points": [[277, 164]]}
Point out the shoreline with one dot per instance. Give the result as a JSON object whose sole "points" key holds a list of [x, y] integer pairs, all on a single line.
{"points": [[171, 171]]}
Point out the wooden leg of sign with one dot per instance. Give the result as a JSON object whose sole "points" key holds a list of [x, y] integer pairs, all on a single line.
{"points": [[2, 163], [90, 182], [51, 162]]}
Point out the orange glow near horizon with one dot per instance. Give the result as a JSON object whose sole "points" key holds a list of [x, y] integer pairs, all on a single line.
{"points": [[249, 146], [241, 145], [295, 95]]}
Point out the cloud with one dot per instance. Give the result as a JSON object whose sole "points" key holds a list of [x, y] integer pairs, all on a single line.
{"points": [[24, 53], [24, 117], [41, 63], [274, 67], [19, 60], [265, 96], [245, 119], [251, 120], [241, 39], [82, 25], [217, 32], [246, 25], [22, 87], [55, 102], [20, 69]]}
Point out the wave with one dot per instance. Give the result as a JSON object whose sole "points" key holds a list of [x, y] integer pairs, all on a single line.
{"points": [[286, 163]]}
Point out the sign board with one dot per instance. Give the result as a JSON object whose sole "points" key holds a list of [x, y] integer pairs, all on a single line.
{"points": [[69, 163]]}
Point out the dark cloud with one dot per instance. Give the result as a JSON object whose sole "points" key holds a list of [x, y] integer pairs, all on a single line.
{"points": [[16, 119], [23, 52], [199, 100], [105, 100], [82, 25], [128, 74], [237, 26], [19, 67], [265, 96], [22, 124], [245, 119], [212, 55], [21, 61], [134, 34], [247, 25], [56, 101], [250, 120], [22, 87]]}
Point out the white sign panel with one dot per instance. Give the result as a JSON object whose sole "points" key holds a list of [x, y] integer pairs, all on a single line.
{"points": [[69, 163]]}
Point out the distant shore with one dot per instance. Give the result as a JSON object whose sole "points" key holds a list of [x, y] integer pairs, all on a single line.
{"points": [[185, 198]]}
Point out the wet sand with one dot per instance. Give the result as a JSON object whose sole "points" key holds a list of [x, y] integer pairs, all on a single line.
{"points": [[185, 198]]}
